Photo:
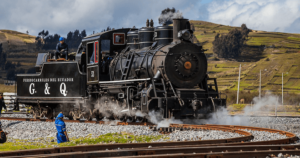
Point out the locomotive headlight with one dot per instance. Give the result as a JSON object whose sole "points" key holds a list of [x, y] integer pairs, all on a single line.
{"points": [[185, 34]]}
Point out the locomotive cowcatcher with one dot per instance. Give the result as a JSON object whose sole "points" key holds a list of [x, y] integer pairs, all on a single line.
{"points": [[125, 74]]}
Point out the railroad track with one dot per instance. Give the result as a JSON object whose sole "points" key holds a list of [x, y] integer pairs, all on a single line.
{"points": [[220, 148]]}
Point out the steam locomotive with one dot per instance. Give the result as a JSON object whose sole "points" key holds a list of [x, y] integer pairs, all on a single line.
{"points": [[125, 74]]}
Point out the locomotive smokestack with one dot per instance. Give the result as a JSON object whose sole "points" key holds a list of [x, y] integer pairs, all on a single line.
{"points": [[179, 24]]}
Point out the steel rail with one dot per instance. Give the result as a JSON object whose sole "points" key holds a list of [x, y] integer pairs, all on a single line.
{"points": [[227, 151]]}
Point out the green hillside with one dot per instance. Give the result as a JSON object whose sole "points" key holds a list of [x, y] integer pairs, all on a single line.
{"points": [[19, 48], [272, 52]]}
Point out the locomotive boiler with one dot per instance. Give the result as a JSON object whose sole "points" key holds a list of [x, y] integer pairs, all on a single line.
{"points": [[125, 74]]}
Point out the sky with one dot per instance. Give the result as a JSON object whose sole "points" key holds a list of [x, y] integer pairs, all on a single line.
{"points": [[62, 16]]}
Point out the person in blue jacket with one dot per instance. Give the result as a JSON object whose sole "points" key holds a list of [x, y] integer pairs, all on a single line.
{"points": [[62, 45], [61, 134]]}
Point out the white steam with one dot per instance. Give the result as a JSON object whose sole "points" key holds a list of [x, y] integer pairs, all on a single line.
{"points": [[168, 17], [266, 104], [157, 118]]}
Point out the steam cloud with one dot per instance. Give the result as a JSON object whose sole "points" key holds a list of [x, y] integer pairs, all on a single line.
{"points": [[157, 118], [222, 116], [266, 103], [167, 15]]}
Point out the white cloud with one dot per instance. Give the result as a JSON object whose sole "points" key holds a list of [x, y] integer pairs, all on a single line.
{"points": [[61, 16], [269, 15]]}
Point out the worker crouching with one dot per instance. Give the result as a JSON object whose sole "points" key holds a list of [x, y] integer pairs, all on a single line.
{"points": [[61, 134]]}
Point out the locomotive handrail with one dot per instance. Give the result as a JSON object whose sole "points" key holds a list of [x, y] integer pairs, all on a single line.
{"points": [[121, 81]]}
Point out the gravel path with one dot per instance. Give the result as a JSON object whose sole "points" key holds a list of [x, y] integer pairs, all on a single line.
{"points": [[265, 136], [17, 115], [201, 135], [35, 131], [280, 123]]}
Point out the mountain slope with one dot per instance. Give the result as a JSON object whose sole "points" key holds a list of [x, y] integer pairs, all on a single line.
{"points": [[272, 52]]}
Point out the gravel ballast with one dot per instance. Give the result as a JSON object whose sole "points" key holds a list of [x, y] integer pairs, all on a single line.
{"points": [[34, 131]]}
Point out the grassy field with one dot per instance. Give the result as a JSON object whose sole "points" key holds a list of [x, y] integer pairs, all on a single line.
{"points": [[280, 53], [4, 88]]}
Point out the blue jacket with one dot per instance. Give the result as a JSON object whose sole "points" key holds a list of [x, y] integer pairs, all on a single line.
{"points": [[60, 126], [60, 46]]}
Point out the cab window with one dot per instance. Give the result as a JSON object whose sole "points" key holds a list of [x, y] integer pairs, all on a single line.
{"points": [[90, 52]]}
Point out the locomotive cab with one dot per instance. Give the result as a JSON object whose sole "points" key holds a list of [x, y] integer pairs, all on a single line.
{"points": [[101, 48]]}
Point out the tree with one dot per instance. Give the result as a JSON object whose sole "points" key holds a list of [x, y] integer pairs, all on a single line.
{"points": [[46, 41], [3, 60], [231, 45], [20, 71], [31, 70], [69, 37], [18, 64], [9, 65], [83, 33], [1, 53], [10, 75]]}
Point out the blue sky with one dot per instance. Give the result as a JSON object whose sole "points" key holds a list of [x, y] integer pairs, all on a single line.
{"points": [[62, 16]]}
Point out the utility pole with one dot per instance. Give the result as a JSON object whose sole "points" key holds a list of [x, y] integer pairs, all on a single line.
{"points": [[238, 90], [282, 90], [260, 85]]}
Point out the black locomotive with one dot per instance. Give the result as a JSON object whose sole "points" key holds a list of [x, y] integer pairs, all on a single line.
{"points": [[124, 74]]}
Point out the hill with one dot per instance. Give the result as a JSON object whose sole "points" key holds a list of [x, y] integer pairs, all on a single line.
{"points": [[19, 47], [273, 53]]}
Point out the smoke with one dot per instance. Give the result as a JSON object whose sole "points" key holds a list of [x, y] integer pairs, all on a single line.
{"points": [[157, 118], [167, 15], [266, 104]]}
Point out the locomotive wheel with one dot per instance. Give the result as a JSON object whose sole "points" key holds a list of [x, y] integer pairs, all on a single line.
{"points": [[99, 117], [112, 117], [70, 117], [140, 119], [130, 119], [35, 113], [49, 114], [88, 117], [123, 118], [34, 116]]}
